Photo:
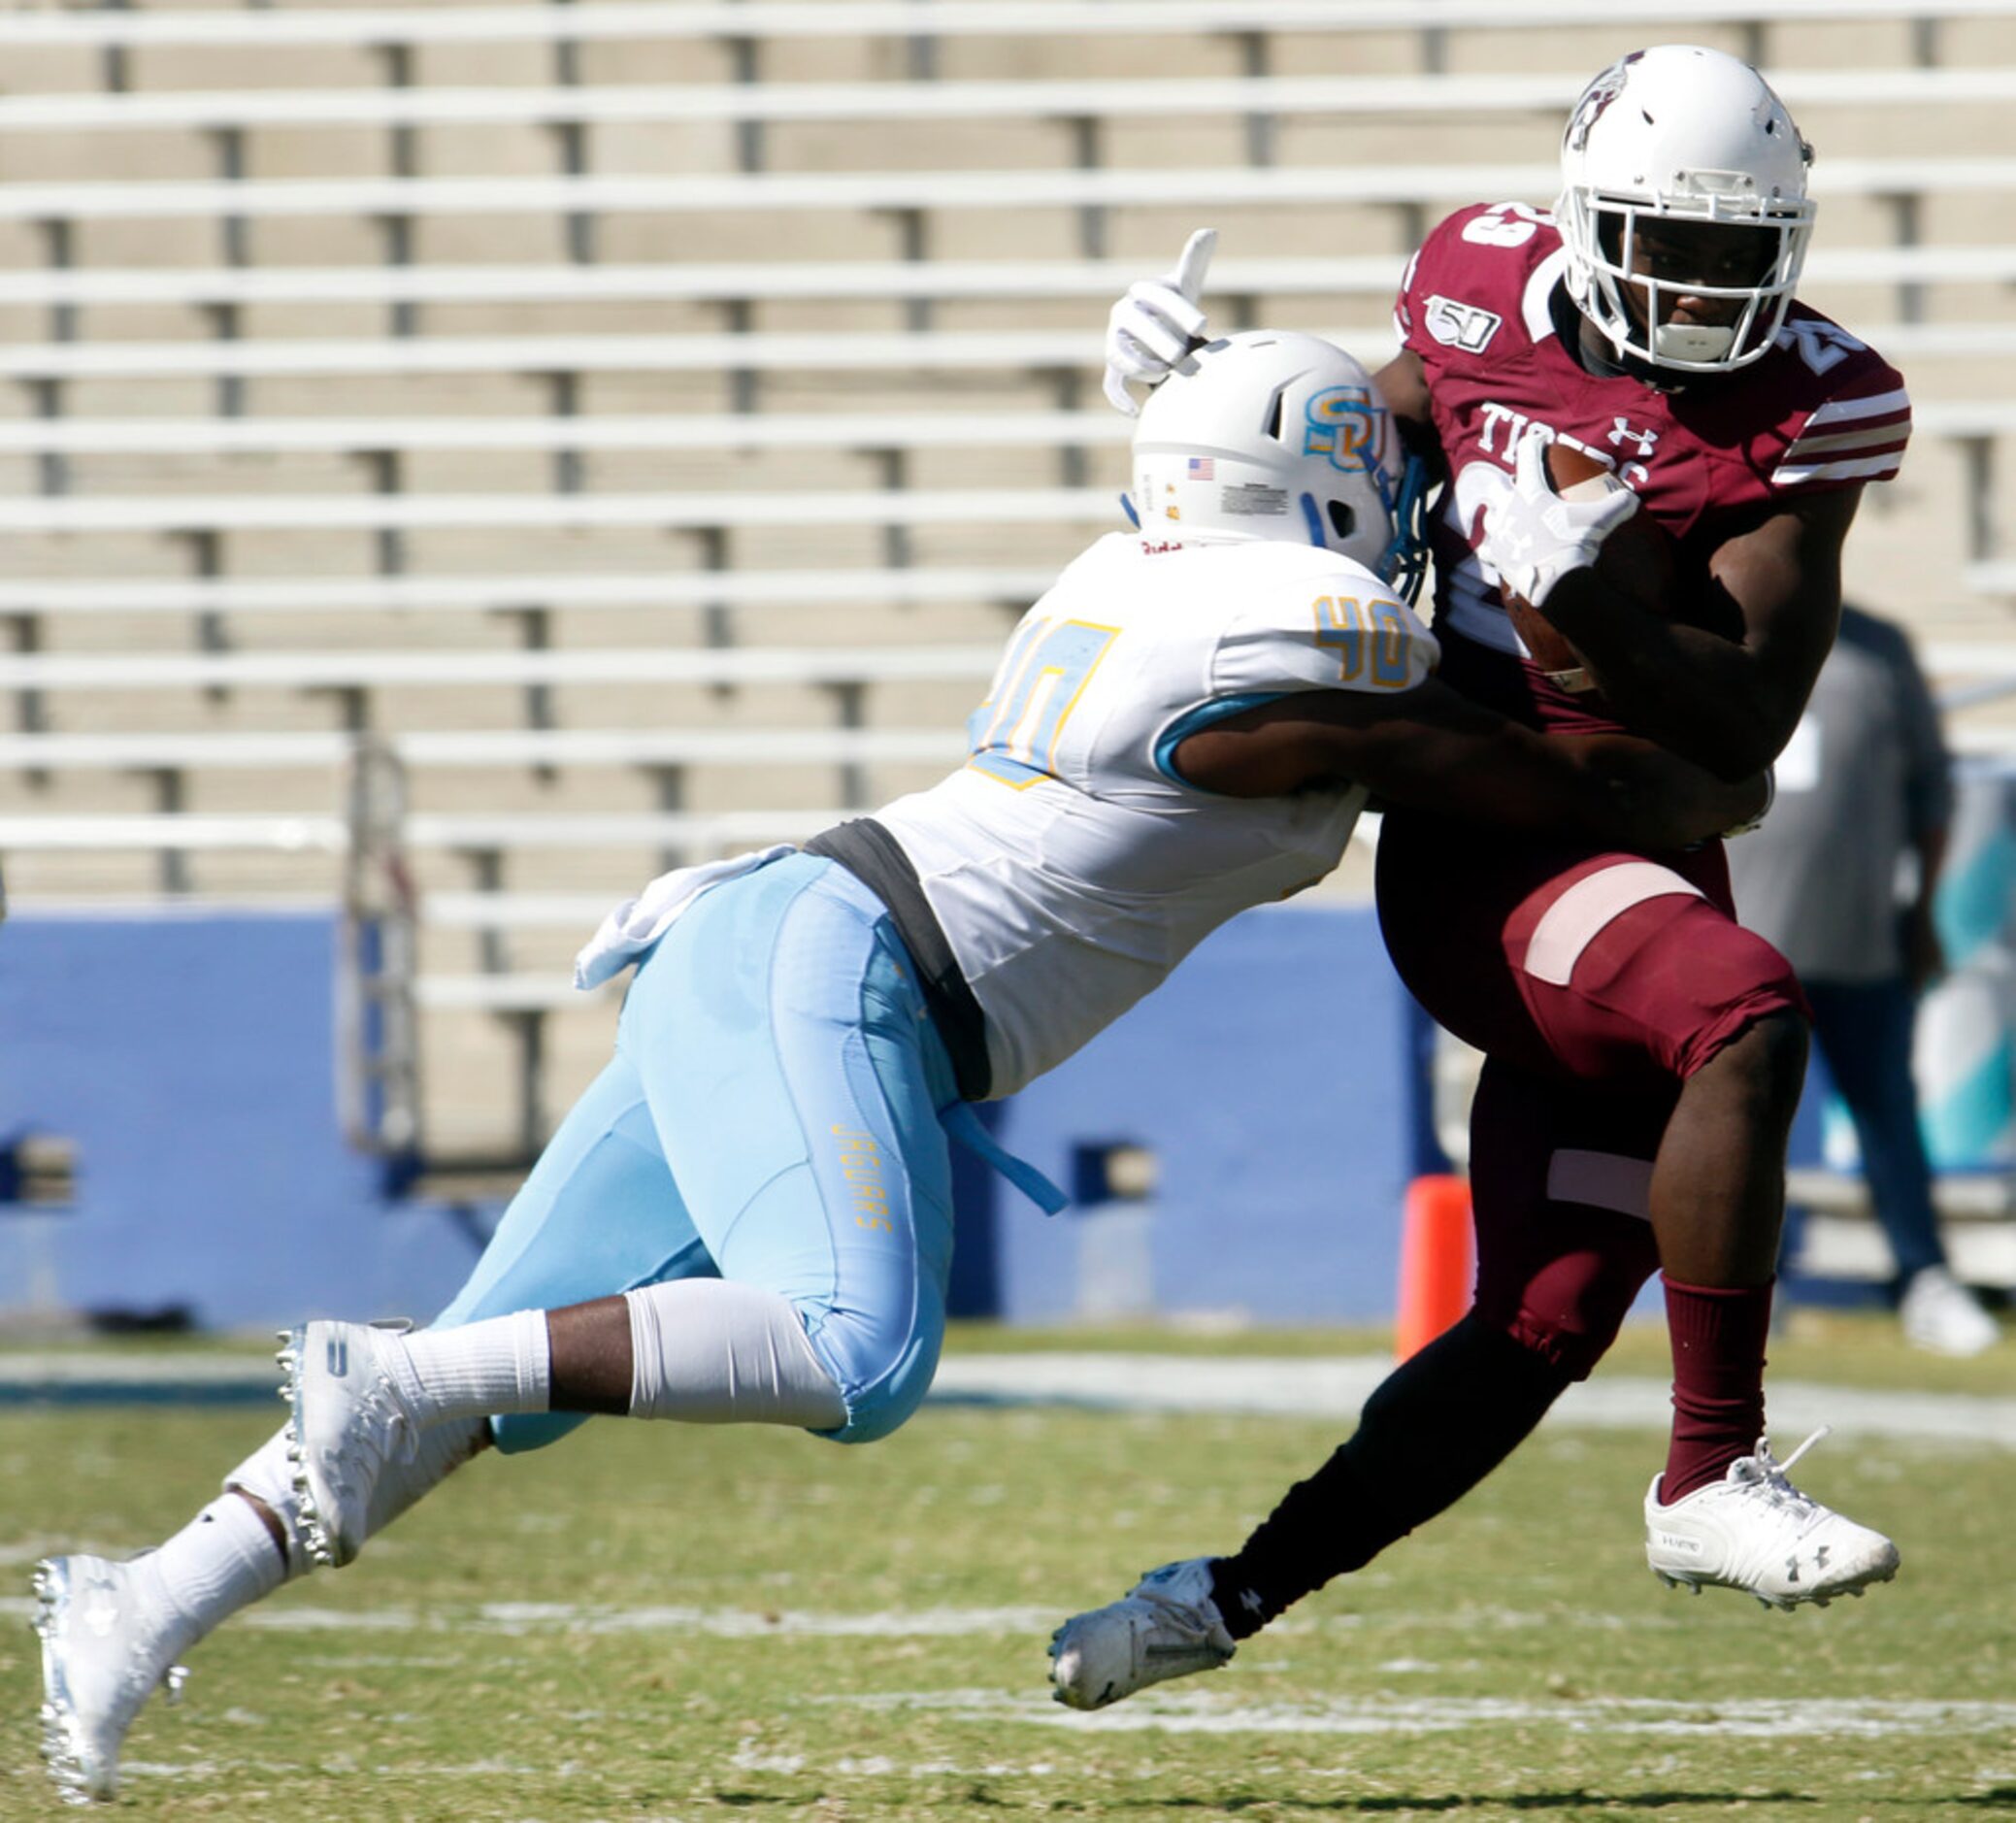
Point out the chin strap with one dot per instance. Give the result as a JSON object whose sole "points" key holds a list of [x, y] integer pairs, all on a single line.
{"points": [[1404, 561]]}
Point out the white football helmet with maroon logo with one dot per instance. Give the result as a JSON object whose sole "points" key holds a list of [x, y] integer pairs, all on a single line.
{"points": [[1673, 135], [1275, 435]]}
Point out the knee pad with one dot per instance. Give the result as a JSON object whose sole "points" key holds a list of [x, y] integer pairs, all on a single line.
{"points": [[1629, 967], [1570, 1345]]}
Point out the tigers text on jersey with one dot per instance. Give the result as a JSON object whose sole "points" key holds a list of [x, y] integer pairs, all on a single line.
{"points": [[1820, 411], [1070, 866]]}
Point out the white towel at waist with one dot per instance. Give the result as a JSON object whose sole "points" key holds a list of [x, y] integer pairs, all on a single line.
{"points": [[637, 923]]}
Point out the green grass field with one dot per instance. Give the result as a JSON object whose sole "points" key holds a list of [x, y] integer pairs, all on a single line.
{"points": [[655, 1623]]}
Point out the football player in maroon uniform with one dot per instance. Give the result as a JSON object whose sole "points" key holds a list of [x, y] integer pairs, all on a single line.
{"points": [[1644, 1052]]}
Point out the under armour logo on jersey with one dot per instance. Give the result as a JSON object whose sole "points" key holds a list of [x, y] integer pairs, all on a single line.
{"points": [[339, 1357], [1623, 431]]}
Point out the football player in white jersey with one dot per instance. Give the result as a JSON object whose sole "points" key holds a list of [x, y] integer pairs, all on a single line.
{"points": [[747, 1217]]}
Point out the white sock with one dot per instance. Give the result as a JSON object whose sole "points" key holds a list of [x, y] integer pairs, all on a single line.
{"points": [[438, 1451], [223, 1560], [499, 1365], [269, 1477], [709, 1351]]}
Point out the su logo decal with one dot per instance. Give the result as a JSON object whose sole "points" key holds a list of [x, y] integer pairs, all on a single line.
{"points": [[1342, 423]]}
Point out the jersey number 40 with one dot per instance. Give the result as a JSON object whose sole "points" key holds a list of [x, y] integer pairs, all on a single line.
{"points": [[1015, 733]]}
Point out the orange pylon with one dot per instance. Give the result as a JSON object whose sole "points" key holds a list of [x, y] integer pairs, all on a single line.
{"points": [[1437, 1262]]}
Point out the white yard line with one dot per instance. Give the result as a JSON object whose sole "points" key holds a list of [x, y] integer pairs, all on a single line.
{"points": [[1214, 1712], [746, 1624], [1213, 1709], [513, 1619], [1335, 1386], [1217, 1708], [238, 1769], [170, 1371], [447, 1621], [1317, 1386]]}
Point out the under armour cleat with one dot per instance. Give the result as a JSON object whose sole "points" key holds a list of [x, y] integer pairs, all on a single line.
{"points": [[347, 1422], [1754, 1531], [1166, 1626], [110, 1637]]}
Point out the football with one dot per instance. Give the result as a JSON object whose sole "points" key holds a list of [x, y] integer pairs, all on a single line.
{"points": [[1636, 560]]}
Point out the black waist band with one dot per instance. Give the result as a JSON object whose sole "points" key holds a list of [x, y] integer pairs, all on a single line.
{"points": [[876, 858]]}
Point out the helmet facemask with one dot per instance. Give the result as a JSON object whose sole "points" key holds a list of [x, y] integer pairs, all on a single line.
{"points": [[1615, 228]]}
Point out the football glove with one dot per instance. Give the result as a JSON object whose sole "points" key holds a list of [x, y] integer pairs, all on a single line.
{"points": [[1152, 327], [1532, 537]]}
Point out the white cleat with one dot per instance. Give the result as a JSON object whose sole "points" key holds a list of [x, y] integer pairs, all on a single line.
{"points": [[1166, 1626], [346, 1423], [110, 1637], [1940, 1315], [1754, 1531]]}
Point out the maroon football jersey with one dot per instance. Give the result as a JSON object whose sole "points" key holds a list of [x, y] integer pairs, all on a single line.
{"points": [[1821, 411]]}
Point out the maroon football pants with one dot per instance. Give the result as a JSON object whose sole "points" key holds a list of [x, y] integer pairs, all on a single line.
{"points": [[1596, 983]]}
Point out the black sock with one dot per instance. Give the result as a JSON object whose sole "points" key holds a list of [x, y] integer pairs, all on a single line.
{"points": [[1435, 1428]]}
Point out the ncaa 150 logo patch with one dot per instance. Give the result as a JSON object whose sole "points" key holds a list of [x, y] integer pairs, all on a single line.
{"points": [[1465, 326]]}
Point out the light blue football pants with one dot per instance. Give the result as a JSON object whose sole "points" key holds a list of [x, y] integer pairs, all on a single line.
{"points": [[771, 1116]]}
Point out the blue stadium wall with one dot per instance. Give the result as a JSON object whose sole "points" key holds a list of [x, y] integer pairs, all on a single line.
{"points": [[189, 1061], [1274, 1081]]}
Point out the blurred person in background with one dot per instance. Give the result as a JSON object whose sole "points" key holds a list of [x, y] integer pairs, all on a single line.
{"points": [[1865, 796], [747, 1217]]}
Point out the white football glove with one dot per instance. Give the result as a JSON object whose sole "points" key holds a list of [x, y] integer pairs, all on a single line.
{"points": [[1532, 537], [1152, 326]]}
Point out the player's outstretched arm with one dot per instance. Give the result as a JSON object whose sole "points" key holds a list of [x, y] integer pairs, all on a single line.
{"points": [[1435, 750], [1729, 706]]}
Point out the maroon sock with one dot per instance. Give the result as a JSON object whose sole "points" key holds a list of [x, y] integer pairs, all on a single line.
{"points": [[1718, 1336]]}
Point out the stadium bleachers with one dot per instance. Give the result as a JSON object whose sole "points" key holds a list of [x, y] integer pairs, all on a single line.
{"points": [[641, 421]]}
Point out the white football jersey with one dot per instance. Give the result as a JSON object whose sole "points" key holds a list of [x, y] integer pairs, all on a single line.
{"points": [[1070, 866]]}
